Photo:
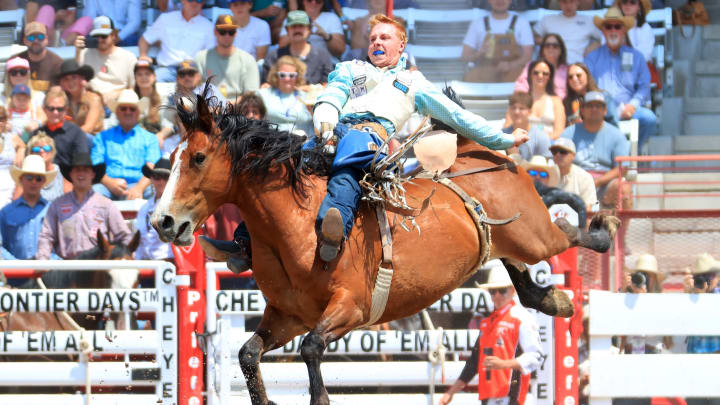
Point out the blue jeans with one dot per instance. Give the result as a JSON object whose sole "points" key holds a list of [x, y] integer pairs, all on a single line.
{"points": [[100, 188], [166, 73], [647, 123]]}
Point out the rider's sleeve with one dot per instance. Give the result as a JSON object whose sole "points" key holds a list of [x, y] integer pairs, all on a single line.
{"points": [[337, 91], [430, 101], [529, 341]]}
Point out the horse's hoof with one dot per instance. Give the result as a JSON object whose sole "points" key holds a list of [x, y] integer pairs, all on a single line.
{"points": [[556, 303], [218, 249], [332, 233]]}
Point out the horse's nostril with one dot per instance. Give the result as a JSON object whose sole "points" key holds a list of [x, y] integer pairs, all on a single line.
{"points": [[167, 222], [183, 227]]}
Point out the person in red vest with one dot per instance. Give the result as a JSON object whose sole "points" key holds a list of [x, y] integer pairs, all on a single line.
{"points": [[507, 350]]}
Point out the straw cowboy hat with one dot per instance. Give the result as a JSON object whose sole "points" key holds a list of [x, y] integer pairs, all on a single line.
{"points": [[32, 164], [645, 4], [646, 263], [614, 14], [498, 277], [705, 263], [540, 164]]}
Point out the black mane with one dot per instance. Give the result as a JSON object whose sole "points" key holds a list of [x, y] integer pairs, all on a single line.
{"points": [[255, 146], [454, 97]]}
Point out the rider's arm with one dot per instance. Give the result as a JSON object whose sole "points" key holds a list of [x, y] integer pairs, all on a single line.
{"points": [[430, 101], [337, 91]]}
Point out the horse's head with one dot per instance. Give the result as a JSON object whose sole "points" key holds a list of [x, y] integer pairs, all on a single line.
{"points": [[199, 173]]}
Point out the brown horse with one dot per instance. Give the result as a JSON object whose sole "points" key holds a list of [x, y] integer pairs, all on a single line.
{"points": [[279, 186]]}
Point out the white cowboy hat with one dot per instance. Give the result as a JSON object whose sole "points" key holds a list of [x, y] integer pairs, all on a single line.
{"points": [[705, 263], [498, 277], [646, 263], [32, 164], [540, 163], [614, 14]]}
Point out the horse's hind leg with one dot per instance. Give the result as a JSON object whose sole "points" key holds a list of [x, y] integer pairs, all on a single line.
{"points": [[599, 235], [548, 300], [274, 331]]}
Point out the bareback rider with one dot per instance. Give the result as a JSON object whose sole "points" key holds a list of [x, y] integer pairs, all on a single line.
{"points": [[366, 102]]}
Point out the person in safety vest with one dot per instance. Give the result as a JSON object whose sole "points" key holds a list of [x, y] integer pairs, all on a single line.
{"points": [[364, 103], [507, 350]]}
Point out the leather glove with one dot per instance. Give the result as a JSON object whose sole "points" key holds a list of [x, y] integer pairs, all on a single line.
{"points": [[324, 113]]}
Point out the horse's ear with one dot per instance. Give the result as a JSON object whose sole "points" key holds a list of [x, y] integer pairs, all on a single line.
{"points": [[134, 242], [103, 244], [203, 108]]}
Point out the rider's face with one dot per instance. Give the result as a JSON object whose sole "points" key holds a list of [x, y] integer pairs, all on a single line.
{"points": [[385, 45]]}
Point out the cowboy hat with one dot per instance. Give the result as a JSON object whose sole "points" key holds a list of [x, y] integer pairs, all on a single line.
{"points": [[70, 67], [645, 4], [162, 167], [83, 159], [540, 164], [498, 277], [646, 263], [614, 14], [705, 263], [32, 164]]}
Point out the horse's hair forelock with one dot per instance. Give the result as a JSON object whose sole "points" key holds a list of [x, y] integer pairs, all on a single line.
{"points": [[255, 146]]}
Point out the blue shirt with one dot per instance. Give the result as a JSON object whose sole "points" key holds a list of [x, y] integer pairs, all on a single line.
{"points": [[539, 143], [597, 151], [624, 75], [20, 226], [125, 153]]}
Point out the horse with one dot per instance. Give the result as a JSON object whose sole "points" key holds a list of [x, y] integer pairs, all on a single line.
{"points": [[278, 186]]}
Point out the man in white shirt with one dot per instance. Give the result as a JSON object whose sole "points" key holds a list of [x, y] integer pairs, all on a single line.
{"points": [[577, 31], [499, 45], [181, 35], [125, 14], [151, 247], [573, 178], [113, 65], [253, 34]]}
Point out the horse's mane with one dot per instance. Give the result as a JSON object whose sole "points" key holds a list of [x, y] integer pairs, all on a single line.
{"points": [[454, 97], [255, 146]]}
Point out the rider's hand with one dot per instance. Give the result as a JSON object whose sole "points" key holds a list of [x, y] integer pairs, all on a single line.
{"points": [[80, 42], [521, 136], [324, 113]]}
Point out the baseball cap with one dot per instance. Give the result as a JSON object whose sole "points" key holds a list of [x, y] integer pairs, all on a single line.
{"points": [[35, 28], [225, 21], [20, 89], [594, 96], [188, 64], [142, 63], [17, 63], [102, 25], [565, 144], [297, 17]]}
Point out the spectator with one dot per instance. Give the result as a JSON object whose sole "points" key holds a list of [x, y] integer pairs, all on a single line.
{"points": [[326, 29], [644, 277], [273, 12], [641, 35], [598, 143], [704, 280], [253, 33], [126, 16], [44, 146], [21, 220], [284, 101], [124, 150], [573, 178], [24, 117], [252, 106], [85, 106], [547, 113], [73, 220], [113, 64], [519, 107], [508, 331], [181, 35], [17, 71], [61, 14], [552, 49], [235, 71], [69, 139], [623, 72], [151, 247], [499, 45], [577, 31], [44, 64], [146, 88], [12, 151], [539, 168], [316, 59]]}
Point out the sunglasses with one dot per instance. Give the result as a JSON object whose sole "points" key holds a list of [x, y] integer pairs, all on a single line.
{"points": [[538, 173], [19, 72], [555, 45], [594, 105], [55, 109], [101, 36], [575, 76], [227, 32], [30, 177], [159, 176], [493, 291], [633, 2], [44, 148], [559, 151], [186, 73], [33, 37], [610, 27], [315, 1], [196, 1], [287, 75], [3, 118], [127, 109], [539, 73]]}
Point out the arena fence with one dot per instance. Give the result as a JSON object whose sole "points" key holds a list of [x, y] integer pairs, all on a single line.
{"points": [[94, 368], [651, 375]]}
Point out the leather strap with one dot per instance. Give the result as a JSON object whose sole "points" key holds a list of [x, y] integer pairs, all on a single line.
{"points": [[506, 165], [476, 204], [383, 280], [385, 234]]}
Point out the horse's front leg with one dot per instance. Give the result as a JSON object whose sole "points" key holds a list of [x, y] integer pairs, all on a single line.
{"points": [[341, 316], [274, 331]]}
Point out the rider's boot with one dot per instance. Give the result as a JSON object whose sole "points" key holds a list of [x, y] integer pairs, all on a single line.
{"points": [[332, 234], [236, 253]]}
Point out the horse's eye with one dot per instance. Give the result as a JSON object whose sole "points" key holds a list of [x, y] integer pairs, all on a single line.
{"points": [[199, 158]]}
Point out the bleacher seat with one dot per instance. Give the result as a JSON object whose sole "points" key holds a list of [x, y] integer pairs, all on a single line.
{"points": [[439, 63], [440, 27], [11, 23]]}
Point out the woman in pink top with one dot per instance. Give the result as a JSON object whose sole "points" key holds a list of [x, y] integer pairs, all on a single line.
{"points": [[552, 49]]}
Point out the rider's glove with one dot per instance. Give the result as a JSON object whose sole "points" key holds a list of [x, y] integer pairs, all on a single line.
{"points": [[324, 113]]}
